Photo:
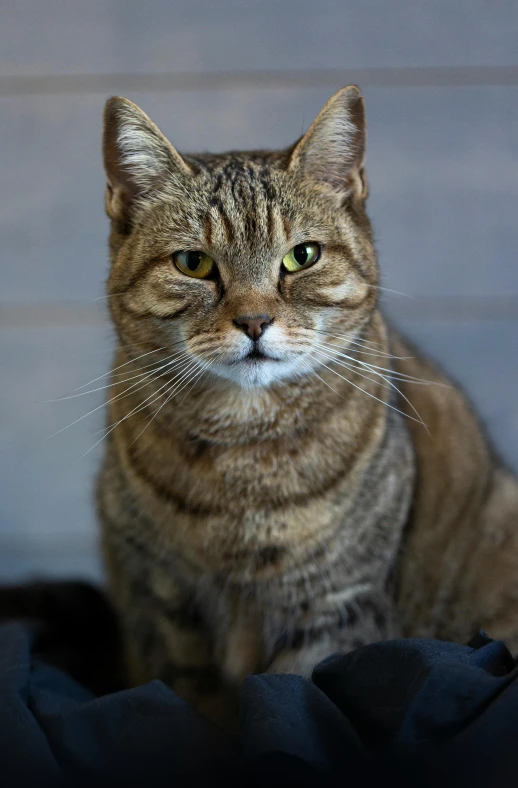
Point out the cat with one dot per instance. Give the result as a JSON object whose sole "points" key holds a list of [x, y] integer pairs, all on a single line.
{"points": [[285, 476]]}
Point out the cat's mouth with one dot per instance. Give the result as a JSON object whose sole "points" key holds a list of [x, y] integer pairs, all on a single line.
{"points": [[256, 355]]}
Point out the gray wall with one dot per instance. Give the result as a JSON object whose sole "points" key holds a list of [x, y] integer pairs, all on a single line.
{"points": [[440, 80]]}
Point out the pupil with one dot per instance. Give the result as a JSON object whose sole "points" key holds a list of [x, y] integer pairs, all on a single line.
{"points": [[300, 253], [193, 260]]}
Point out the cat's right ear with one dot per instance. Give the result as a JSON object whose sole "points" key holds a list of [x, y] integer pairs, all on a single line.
{"points": [[331, 153], [138, 159]]}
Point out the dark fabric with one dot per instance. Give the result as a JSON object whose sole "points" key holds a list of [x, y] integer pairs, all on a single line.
{"points": [[74, 628], [404, 712]]}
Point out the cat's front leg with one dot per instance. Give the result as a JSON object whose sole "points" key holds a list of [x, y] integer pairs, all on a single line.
{"points": [[163, 634], [171, 644]]}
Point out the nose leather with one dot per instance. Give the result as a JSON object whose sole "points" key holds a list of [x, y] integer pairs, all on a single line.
{"points": [[253, 326]]}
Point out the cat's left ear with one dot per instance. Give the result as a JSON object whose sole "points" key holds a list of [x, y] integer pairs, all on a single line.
{"points": [[138, 158], [332, 151]]}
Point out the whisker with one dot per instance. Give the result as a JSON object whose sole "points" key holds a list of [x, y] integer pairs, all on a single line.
{"points": [[386, 379], [353, 338], [392, 407], [346, 366], [118, 346], [155, 395], [207, 365], [169, 398], [401, 375], [153, 364], [132, 360], [125, 380], [389, 290], [360, 342], [104, 297], [127, 415], [314, 372], [146, 403], [369, 352], [118, 396]]}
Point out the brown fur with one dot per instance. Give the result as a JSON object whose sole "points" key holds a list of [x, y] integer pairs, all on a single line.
{"points": [[271, 513]]}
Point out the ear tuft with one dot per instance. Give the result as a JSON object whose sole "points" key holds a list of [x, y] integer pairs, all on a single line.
{"points": [[138, 159], [332, 151]]}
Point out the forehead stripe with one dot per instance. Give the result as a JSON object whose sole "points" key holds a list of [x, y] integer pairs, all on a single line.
{"points": [[207, 229], [270, 220], [216, 203]]}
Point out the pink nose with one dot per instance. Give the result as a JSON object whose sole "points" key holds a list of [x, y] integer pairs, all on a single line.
{"points": [[253, 327]]}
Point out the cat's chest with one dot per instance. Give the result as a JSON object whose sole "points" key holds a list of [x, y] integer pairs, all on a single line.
{"points": [[255, 503], [198, 474], [246, 507]]}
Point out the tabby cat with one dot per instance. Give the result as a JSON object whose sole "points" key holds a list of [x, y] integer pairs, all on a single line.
{"points": [[270, 493]]}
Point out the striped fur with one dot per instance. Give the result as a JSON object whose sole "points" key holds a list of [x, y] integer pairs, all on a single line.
{"points": [[273, 512]]}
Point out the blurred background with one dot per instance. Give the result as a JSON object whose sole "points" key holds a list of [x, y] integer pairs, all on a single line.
{"points": [[441, 86]]}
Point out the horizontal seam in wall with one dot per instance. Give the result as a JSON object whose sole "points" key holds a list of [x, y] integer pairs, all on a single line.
{"points": [[378, 77], [59, 542], [454, 308]]}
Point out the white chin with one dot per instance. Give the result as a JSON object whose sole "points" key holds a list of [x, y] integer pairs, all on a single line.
{"points": [[258, 374]]}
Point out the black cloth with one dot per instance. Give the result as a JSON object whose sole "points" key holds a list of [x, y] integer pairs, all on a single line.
{"points": [[404, 712]]}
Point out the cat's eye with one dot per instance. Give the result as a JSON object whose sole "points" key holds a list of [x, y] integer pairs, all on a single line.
{"points": [[301, 256], [196, 264]]}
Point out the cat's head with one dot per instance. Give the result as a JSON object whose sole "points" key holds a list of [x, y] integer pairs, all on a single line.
{"points": [[243, 261]]}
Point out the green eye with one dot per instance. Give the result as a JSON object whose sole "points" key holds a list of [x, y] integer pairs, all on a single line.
{"points": [[301, 256], [197, 264]]}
